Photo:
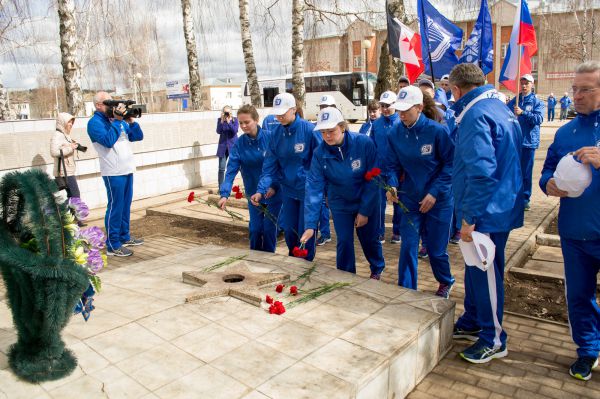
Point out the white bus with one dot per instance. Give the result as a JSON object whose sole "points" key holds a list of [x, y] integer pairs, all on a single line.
{"points": [[348, 89]]}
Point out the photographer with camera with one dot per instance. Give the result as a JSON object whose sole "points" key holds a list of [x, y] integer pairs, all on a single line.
{"points": [[111, 130], [227, 129], [62, 149]]}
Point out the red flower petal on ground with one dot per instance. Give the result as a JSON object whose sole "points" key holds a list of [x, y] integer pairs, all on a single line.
{"points": [[239, 195], [269, 300], [375, 172], [294, 290], [191, 197], [236, 189], [368, 176], [279, 288]]}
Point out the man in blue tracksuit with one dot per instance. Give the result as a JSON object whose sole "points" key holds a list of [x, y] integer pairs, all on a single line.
{"points": [[488, 189], [564, 101], [112, 140], [288, 160], [421, 149], [338, 167], [247, 155], [530, 112], [551, 104], [579, 217], [387, 122], [374, 113]]}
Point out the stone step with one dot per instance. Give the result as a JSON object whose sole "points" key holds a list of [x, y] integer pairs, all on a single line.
{"points": [[549, 240], [550, 254]]}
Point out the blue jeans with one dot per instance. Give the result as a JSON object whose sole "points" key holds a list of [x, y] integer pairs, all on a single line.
{"points": [[550, 114]]}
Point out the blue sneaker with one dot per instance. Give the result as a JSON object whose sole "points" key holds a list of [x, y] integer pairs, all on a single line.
{"points": [[479, 353], [323, 240], [582, 368], [133, 242], [395, 239], [120, 252], [470, 335], [444, 290]]}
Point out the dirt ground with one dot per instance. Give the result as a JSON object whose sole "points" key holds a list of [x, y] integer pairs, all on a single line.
{"points": [[543, 299]]}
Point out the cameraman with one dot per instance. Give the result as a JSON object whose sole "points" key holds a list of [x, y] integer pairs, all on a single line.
{"points": [[61, 140], [111, 138], [227, 129]]}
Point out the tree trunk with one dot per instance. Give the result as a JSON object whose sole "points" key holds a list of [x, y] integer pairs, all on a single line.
{"points": [[390, 69], [192, 55], [68, 51], [4, 111], [298, 50], [249, 54]]}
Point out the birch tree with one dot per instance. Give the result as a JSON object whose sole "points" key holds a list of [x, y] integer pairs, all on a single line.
{"points": [[299, 89], [192, 55], [4, 111], [68, 60], [247, 48]]}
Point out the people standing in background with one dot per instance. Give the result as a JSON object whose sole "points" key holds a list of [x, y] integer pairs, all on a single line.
{"points": [[374, 113], [445, 85], [62, 141], [402, 83], [551, 104], [565, 101], [227, 129]]}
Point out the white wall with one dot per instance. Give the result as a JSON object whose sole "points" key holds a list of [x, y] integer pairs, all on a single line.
{"points": [[222, 96], [177, 153]]}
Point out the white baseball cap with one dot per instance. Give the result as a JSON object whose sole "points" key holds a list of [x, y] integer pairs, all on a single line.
{"points": [[445, 77], [408, 97], [328, 118], [572, 176], [282, 103], [387, 97], [527, 77], [480, 252], [327, 100]]}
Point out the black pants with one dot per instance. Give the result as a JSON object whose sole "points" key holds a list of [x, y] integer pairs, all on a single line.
{"points": [[72, 187]]}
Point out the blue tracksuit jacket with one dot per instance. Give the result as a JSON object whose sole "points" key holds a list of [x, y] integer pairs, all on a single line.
{"points": [[579, 218], [551, 102], [565, 102], [289, 154], [343, 169], [366, 128], [487, 179], [425, 153], [531, 118], [379, 131]]}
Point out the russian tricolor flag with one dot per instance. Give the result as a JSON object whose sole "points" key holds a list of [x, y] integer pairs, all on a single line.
{"points": [[523, 34]]}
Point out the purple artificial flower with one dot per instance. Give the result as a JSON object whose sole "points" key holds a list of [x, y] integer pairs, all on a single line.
{"points": [[93, 235], [79, 208], [94, 260]]}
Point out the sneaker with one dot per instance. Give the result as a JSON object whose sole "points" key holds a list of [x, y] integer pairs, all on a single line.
{"points": [[582, 368], [395, 239], [133, 242], [423, 253], [122, 252], [479, 353], [323, 240], [375, 276], [382, 239], [455, 238], [470, 335], [444, 290], [527, 206]]}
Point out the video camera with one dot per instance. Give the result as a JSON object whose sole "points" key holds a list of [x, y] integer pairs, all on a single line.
{"points": [[133, 110]]}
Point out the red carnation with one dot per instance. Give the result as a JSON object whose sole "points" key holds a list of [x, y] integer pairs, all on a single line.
{"points": [[294, 290], [277, 308], [369, 176], [269, 300], [239, 195], [300, 252], [279, 288], [191, 197], [375, 172], [236, 189]]}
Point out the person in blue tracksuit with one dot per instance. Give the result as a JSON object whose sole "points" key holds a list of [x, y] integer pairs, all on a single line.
{"points": [[112, 137], [488, 189], [421, 149], [387, 122], [565, 102], [288, 160], [579, 218], [270, 122], [338, 167], [247, 155], [374, 113], [530, 112], [551, 104]]}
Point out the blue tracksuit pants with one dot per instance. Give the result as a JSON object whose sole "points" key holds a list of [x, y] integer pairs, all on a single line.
{"points": [[119, 191], [550, 114], [435, 226], [396, 218], [484, 298], [527, 158], [367, 236], [263, 232], [582, 264], [324, 227], [293, 225]]}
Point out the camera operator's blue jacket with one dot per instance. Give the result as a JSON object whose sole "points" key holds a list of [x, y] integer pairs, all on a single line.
{"points": [[111, 141], [578, 218], [248, 155], [531, 118], [288, 156], [379, 131], [424, 153], [486, 181], [339, 172]]}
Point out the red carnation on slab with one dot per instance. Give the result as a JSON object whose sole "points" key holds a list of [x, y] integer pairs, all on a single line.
{"points": [[294, 290], [239, 195], [277, 308], [191, 197], [236, 189], [269, 300], [279, 288]]}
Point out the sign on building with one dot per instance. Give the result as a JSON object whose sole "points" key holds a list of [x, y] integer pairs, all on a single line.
{"points": [[178, 89], [559, 75]]}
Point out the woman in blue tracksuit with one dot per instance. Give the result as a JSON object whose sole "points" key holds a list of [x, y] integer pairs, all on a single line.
{"points": [[340, 164], [422, 150], [247, 155], [288, 160]]}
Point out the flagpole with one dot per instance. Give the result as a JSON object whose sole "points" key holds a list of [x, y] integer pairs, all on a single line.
{"points": [[518, 78], [427, 41]]}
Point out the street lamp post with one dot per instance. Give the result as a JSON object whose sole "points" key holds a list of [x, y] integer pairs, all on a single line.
{"points": [[366, 45]]}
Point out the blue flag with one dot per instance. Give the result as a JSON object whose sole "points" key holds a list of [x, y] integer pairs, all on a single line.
{"points": [[480, 46], [440, 39]]}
